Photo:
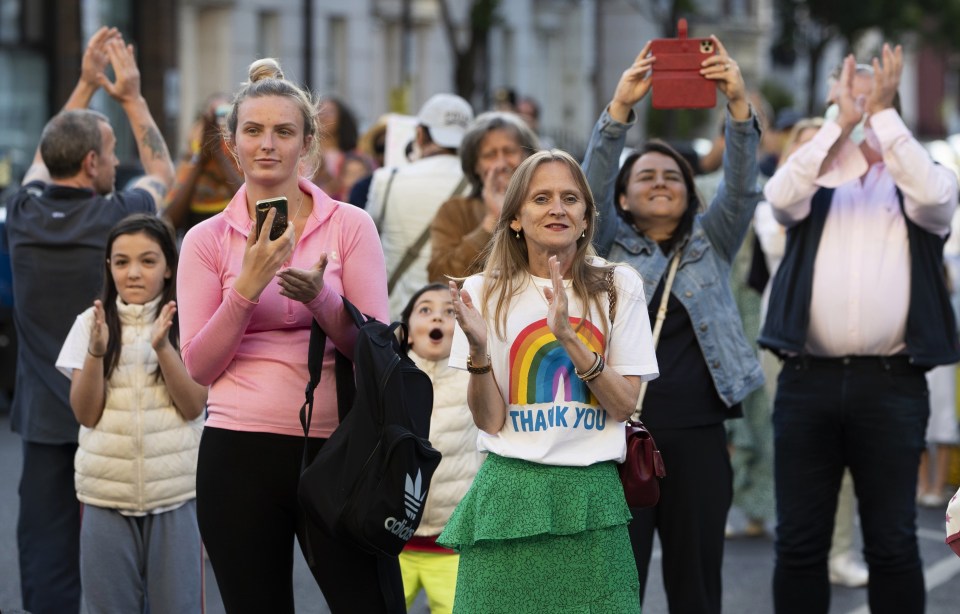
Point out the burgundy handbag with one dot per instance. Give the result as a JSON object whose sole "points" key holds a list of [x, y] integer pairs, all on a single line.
{"points": [[643, 466]]}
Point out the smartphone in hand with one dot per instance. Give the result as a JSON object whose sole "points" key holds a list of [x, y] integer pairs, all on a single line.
{"points": [[677, 82], [279, 221]]}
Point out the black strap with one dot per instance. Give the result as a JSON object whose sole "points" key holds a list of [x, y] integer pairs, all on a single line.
{"points": [[318, 339], [346, 386]]}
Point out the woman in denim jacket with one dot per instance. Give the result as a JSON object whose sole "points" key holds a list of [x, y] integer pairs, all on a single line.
{"points": [[649, 213]]}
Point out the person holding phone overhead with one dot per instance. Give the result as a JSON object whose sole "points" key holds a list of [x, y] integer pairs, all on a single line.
{"points": [[246, 309], [651, 215]]}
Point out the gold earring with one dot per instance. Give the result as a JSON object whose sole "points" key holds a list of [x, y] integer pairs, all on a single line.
{"points": [[516, 233]]}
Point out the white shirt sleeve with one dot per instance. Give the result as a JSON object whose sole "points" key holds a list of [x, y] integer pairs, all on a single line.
{"points": [[771, 234], [791, 188], [630, 348], [74, 350], [375, 195], [929, 189]]}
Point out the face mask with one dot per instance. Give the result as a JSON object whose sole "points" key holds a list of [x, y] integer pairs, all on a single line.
{"points": [[857, 134]]}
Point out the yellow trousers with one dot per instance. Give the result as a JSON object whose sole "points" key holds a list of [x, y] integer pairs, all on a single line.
{"points": [[435, 573]]}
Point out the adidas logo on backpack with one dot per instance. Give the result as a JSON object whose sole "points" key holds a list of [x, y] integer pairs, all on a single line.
{"points": [[370, 479], [413, 503], [412, 495]]}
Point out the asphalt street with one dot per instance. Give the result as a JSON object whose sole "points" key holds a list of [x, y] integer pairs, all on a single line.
{"points": [[748, 563]]}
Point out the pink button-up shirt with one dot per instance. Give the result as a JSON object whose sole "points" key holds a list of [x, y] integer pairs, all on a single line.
{"points": [[861, 283]]}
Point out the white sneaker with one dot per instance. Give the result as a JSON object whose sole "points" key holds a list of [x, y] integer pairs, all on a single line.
{"points": [[932, 499], [847, 571]]}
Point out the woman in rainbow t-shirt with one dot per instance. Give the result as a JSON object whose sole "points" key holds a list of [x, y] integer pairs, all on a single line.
{"points": [[553, 378]]}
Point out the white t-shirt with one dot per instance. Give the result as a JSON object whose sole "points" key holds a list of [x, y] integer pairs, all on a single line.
{"points": [[552, 416]]}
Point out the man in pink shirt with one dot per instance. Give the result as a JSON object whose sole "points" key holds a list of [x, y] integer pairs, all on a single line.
{"points": [[859, 311]]}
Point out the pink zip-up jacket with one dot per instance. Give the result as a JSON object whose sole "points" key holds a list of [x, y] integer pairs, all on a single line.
{"points": [[253, 355]]}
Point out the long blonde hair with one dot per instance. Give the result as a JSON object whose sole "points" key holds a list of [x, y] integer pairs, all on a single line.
{"points": [[507, 261]]}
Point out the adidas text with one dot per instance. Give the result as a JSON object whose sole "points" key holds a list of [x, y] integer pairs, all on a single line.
{"points": [[398, 528]]}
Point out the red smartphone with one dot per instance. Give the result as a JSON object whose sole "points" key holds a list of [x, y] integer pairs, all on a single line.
{"points": [[279, 225], [677, 82]]}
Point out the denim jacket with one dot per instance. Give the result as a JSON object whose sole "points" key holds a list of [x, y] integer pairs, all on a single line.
{"points": [[702, 284]]}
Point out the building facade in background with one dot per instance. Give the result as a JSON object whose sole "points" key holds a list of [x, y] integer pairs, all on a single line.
{"points": [[383, 55]]}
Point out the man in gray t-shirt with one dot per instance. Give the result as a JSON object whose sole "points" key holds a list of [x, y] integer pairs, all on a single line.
{"points": [[57, 225]]}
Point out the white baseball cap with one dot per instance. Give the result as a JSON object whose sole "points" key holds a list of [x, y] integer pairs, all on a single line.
{"points": [[447, 117]]}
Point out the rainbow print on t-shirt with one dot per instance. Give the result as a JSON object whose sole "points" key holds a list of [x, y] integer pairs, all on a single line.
{"points": [[539, 366]]}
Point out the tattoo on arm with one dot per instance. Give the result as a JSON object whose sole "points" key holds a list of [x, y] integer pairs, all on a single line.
{"points": [[158, 187], [152, 140]]}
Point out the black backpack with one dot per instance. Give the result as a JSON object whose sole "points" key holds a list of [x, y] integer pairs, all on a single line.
{"points": [[368, 483]]}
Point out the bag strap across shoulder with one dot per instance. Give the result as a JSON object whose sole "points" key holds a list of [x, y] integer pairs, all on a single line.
{"points": [[346, 385], [414, 250], [658, 325], [346, 388], [386, 200]]}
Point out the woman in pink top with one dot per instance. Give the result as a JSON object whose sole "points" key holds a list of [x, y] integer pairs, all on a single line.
{"points": [[246, 306]]}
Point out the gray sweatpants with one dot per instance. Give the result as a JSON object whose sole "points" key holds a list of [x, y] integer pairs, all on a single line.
{"points": [[128, 562]]}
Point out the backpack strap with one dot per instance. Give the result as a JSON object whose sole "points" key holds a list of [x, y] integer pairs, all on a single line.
{"points": [[318, 339], [346, 386], [414, 250]]}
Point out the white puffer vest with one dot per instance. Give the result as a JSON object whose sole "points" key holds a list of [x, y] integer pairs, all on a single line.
{"points": [[142, 455], [453, 432]]}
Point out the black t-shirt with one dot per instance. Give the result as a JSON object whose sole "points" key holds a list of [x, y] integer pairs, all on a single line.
{"points": [[684, 394], [57, 237]]}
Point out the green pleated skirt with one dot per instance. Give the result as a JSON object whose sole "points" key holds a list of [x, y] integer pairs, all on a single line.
{"points": [[543, 539]]}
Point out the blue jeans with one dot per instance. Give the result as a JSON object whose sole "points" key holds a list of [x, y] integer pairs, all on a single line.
{"points": [[868, 414]]}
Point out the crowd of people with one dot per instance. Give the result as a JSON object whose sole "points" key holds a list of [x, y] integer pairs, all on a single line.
{"points": [[183, 333]]}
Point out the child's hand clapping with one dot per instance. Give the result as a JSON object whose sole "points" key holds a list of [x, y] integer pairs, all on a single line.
{"points": [[160, 333], [99, 334]]}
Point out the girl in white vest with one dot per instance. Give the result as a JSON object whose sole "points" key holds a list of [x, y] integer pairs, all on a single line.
{"points": [[141, 419], [429, 316]]}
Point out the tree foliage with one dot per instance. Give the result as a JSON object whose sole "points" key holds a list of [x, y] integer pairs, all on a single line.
{"points": [[807, 27], [471, 58]]}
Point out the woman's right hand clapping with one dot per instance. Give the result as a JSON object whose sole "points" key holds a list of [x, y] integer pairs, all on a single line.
{"points": [[262, 258], [469, 319]]}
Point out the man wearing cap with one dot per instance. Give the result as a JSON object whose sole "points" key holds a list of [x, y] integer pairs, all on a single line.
{"points": [[403, 201]]}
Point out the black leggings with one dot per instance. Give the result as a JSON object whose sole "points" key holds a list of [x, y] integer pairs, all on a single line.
{"points": [[248, 513]]}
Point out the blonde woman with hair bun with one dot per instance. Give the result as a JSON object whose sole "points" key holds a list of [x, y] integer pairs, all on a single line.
{"points": [[246, 310]]}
